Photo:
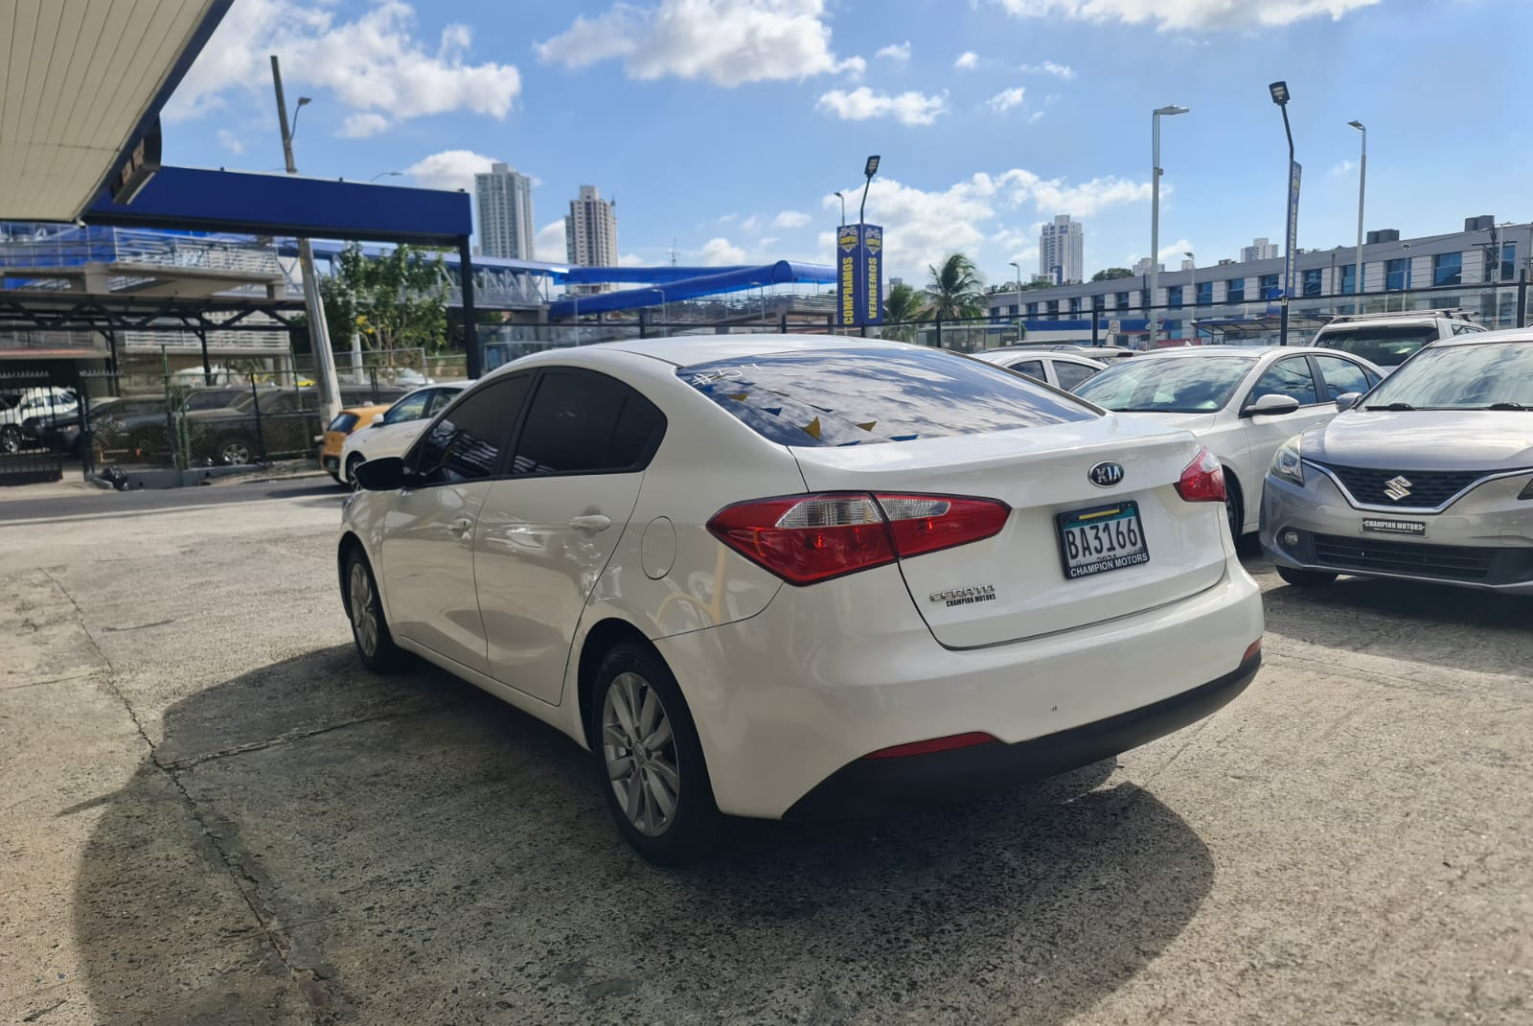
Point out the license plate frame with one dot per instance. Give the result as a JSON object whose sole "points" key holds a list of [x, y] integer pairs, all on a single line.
{"points": [[1128, 509], [1395, 526]]}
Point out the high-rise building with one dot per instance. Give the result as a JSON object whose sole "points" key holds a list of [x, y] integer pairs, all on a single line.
{"points": [[590, 230], [504, 199], [1061, 251], [1259, 249]]}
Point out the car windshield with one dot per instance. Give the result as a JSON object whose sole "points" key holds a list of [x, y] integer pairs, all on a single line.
{"points": [[852, 397], [1180, 384], [1490, 375], [1383, 347], [214, 400]]}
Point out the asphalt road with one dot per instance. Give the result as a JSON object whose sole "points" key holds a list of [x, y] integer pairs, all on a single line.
{"points": [[98, 503], [212, 814]]}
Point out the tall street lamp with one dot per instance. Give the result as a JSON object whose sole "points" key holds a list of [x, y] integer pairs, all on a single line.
{"points": [[1362, 185], [868, 171], [664, 317], [1018, 268], [1155, 174], [1192, 286], [842, 197], [1279, 91]]}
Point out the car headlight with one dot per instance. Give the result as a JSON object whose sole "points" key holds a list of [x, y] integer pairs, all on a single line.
{"points": [[1288, 464]]}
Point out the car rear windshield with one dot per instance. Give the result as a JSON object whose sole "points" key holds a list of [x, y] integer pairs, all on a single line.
{"points": [[1469, 377], [855, 397], [343, 422], [1171, 384], [1384, 347]]}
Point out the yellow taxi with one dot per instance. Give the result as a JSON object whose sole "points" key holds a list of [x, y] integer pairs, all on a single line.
{"points": [[352, 418]]}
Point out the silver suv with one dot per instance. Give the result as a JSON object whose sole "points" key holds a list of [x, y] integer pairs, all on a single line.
{"points": [[1387, 340]]}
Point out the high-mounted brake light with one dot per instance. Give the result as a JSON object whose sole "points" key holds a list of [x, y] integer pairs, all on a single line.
{"points": [[1203, 480], [809, 538]]}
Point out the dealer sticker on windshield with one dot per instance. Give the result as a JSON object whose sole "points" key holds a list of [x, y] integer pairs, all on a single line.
{"points": [[1378, 525]]}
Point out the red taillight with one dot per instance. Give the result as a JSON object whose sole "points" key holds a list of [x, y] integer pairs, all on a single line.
{"points": [[1203, 480], [936, 744], [808, 538]]}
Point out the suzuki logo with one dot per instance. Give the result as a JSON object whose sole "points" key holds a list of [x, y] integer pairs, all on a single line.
{"points": [[1105, 475], [1397, 488]]}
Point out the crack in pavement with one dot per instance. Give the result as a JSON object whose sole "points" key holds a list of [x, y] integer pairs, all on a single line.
{"points": [[325, 998]]}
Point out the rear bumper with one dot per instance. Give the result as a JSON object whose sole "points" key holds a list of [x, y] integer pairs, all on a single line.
{"points": [[880, 787]]}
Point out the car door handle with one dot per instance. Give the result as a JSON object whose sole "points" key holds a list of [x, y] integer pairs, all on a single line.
{"points": [[462, 525], [591, 522]]}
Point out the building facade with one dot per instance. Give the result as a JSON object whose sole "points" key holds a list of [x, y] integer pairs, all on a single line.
{"points": [[1061, 251], [503, 198], [590, 230], [1203, 302], [1259, 249]]}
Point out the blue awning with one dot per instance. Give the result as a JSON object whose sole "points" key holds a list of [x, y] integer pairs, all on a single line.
{"points": [[783, 272]]}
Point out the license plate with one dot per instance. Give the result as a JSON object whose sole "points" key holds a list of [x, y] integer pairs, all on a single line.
{"points": [[1380, 525], [1094, 541]]}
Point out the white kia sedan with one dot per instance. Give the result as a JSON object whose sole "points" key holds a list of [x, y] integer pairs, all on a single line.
{"points": [[391, 433], [1062, 370], [1242, 402], [780, 576]]}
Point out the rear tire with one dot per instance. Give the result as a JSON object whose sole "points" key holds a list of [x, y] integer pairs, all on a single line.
{"points": [[236, 452], [1306, 578], [369, 627], [1234, 508], [350, 480], [648, 759], [10, 439]]}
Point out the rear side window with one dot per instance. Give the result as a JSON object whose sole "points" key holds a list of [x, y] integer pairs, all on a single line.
{"points": [[411, 407], [1342, 376], [466, 444], [1032, 368], [582, 422], [857, 397], [1071, 374]]}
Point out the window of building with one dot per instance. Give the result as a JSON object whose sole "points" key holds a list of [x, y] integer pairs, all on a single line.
{"points": [[1205, 293], [1075, 304], [1032, 309], [1348, 279], [1447, 269], [1397, 274], [1268, 283], [1313, 285], [1120, 301], [1173, 296], [1144, 299], [1099, 302], [1509, 262], [1235, 290], [1053, 308]]}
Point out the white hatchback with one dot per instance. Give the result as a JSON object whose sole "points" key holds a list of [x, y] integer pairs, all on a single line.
{"points": [[1243, 402], [780, 576], [392, 432]]}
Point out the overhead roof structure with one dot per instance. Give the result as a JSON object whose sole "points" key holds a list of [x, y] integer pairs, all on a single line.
{"points": [[81, 85], [718, 280]]}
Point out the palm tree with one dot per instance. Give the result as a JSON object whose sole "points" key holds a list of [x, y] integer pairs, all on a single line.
{"points": [[902, 306], [956, 288]]}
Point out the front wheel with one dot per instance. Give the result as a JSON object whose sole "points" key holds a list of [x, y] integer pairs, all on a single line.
{"points": [[10, 439], [369, 627], [352, 463], [236, 452], [1306, 578], [650, 760]]}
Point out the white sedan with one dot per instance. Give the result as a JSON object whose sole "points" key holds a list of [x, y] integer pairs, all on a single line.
{"points": [[1242, 402], [391, 433], [786, 576], [1062, 370]]}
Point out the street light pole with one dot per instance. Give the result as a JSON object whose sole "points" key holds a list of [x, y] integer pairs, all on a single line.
{"points": [[1279, 92], [869, 170], [1018, 268], [664, 317], [1192, 287], [319, 331], [842, 197], [1362, 185], [1155, 173]]}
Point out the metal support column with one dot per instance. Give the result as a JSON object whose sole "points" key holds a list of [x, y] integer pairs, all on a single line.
{"points": [[471, 348]]}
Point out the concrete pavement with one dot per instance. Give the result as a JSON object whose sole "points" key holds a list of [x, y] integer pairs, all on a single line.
{"points": [[214, 815]]}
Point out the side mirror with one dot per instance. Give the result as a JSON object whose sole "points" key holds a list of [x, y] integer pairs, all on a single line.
{"points": [[384, 474], [1271, 405], [377, 420], [1347, 400]]}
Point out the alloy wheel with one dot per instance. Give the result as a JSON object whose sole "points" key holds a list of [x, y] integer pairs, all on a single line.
{"points": [[235, 453], [364, 610], [639, 750]]}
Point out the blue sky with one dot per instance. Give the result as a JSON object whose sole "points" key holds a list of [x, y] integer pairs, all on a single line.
{"points": [[723, 126]]}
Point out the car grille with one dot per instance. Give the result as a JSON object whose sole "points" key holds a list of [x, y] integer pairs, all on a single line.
{"points": [[1452, 562], [1429, 489]]}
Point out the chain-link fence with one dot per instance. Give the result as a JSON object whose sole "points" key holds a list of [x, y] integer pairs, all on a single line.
{"points": [[38, 414]]}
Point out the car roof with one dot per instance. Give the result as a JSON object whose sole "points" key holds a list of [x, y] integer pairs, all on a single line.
{"points": [[1481, 338]]}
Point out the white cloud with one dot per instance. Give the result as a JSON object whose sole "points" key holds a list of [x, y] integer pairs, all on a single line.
{"points": [[1035, 117], [363, 124], [450, 169], [1006, 99], [1343, 167], [623, 260], [1187, 14], [790, 219], [967, 60], [719, 251], [769, 240], [1083, 200], [862, 103], [374, 63], [728, 42], [897, 52], [751, 223], [229, 141], [549, 243], [1063, 71]]}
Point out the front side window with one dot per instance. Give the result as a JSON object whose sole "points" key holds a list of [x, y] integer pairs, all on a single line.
{"points": [[1342, 376], [582, 422], [1476, 376], [1291, 377], [1175, 384], [440, 398], [852, 397], [411, 407], [1447, 268], [466, 443]]}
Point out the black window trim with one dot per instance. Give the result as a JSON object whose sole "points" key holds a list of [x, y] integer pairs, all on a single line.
{"points": [[647, 455]]}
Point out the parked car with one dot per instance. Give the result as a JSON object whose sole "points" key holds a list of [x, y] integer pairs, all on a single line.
{"points": [[46, 403], [1062, 370], [390, 433], [1241, 402], [347, 422], [1388, 340], [1429, 477], [791, 576]]}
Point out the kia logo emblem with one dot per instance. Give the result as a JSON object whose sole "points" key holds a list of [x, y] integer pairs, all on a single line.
{"points": [[1105, 475]]}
